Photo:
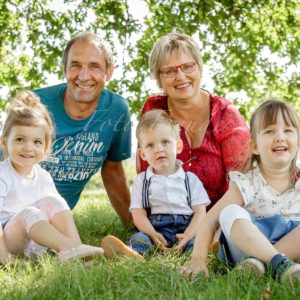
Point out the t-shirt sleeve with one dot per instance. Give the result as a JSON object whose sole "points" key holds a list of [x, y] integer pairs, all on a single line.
{"points": [[136, 192], [49, 186], [198, 192], [4, 187], [121, 147], [233, 135], [244, 184]]}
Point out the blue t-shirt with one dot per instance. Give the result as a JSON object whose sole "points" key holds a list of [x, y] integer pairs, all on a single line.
{"points": [[80, 147]]}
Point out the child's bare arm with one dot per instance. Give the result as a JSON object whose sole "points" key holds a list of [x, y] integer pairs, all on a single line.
{"points": [[142, 222], [190, 232], [205, 233]]}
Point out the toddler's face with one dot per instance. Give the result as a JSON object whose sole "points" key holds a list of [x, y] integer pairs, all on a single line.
{"points": [[25, 146], [158, 146], [277, 144]]}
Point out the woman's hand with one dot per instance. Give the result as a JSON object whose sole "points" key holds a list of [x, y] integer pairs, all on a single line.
{"points": [[192, 268]]}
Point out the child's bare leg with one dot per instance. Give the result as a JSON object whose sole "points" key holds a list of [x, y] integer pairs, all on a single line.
{"points": [[251, 241], [288, 245], [4, 253], [243, 236], [59, 215], [44, 234], [64, 223]]}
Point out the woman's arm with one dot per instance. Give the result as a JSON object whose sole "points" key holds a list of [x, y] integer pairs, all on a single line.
{"points": [[208, 227]]}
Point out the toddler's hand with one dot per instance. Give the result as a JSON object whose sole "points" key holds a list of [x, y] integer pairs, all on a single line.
{"points": [[193, 268], [160, 241], [183, 239]]}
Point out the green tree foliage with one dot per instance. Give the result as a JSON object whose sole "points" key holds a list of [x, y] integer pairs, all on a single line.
{"points": [[250, 46], [33, 35]]}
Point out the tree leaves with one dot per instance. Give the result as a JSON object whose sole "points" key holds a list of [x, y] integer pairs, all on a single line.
{"points": [[250, 46]]}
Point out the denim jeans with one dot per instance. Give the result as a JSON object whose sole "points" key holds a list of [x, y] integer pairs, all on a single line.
{"points": [[168, 226]]}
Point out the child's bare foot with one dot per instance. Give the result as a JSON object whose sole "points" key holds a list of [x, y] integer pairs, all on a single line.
{"points": [[112, 246]]}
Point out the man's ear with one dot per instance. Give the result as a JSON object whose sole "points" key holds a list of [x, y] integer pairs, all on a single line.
{"points": [[110, 72], [253, 147], [179, 146], [141, 154]]}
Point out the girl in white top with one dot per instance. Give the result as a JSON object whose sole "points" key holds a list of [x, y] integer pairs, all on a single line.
{"points": [[260, 214], [33, 215]]}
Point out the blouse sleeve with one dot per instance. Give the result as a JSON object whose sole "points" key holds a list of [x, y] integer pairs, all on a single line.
{"points": [[233, 135]]}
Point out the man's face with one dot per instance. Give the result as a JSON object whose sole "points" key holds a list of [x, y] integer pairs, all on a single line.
{"points": [[86, 72]]}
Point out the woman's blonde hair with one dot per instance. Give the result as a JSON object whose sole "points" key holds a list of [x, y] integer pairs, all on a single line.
{"points": [[266, 115], [173, 42], [155, 117], [27, 110]]}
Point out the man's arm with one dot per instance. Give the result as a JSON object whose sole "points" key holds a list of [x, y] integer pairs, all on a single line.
{"points": [[116, 185]]}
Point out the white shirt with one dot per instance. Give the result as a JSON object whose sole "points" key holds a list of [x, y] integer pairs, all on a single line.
{"points": [[168, 194], [262, 200], [17, 192]]}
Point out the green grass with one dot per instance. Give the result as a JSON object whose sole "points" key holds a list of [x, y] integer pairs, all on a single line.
{"points": [[44, 277]]}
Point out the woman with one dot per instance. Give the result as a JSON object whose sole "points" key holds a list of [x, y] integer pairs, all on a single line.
{"points": [[214, 133]]}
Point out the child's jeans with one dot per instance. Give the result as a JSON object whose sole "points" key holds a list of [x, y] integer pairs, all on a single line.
{"points": [[168, 226], [273, 228], [16, 230]]}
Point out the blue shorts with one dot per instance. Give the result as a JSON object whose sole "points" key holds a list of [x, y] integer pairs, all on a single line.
{"points": [[274, 228]]}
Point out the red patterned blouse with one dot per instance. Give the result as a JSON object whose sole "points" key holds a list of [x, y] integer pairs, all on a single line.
{"points": [[225, 146]]}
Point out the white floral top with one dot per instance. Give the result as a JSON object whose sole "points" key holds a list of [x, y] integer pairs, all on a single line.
{"points": [[262, 200]]}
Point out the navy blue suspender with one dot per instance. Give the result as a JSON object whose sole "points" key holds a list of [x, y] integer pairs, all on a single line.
{"points": [[145, 192]]}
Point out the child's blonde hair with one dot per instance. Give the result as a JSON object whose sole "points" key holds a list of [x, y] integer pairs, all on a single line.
{"points": [[27, 110], [266, 115], [156, 117]]}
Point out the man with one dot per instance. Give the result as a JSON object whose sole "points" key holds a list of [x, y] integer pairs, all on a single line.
{"points": [[92, 125]]}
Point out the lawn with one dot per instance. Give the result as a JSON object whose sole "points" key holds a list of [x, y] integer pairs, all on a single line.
{"points": [[157, 277]]}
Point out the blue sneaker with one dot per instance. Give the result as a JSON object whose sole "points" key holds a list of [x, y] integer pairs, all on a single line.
{"points": [[284, 269]]}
